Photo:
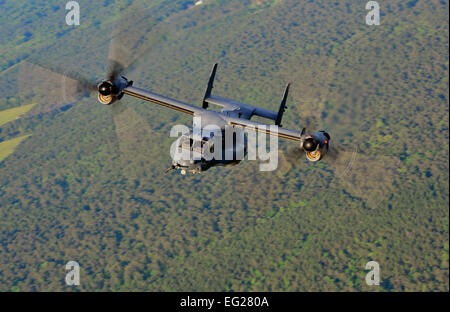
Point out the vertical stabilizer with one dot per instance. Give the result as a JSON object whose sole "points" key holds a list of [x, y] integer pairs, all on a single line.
{"points": [[209, 87], [282, 107]]}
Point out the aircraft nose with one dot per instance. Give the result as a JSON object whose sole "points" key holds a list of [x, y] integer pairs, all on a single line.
{"points": [[182, 163]]}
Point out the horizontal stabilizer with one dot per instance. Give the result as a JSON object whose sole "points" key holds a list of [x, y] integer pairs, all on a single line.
{"points": [[245, 111], [241, 110]]}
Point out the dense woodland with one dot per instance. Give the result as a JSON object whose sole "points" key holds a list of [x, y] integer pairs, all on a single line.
{"points": [[90, 186]]}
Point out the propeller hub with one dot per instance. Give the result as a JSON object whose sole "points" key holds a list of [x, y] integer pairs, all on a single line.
{"points": [[310, 145], [106, 88]]}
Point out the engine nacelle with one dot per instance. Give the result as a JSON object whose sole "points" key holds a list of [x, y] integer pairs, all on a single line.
{"points": [[110, 91], [315, 145]]}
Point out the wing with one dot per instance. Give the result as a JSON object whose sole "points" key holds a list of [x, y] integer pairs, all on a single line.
{"points": [[162, 100], [293, 135]]}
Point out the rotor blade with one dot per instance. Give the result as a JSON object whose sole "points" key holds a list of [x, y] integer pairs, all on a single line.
{"points": [[370, 178], [84, 83], [137, 31], [134, 139], [50, 88], [307, 118], [135, 34], [341, 158], [362, 174], [293, 155]]}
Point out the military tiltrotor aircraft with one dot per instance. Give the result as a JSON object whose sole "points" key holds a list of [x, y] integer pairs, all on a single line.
{"points": [[233, 114], [123, 54]]}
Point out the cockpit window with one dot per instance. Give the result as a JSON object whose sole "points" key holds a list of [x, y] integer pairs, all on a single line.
{"points": [[193, 145]]}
